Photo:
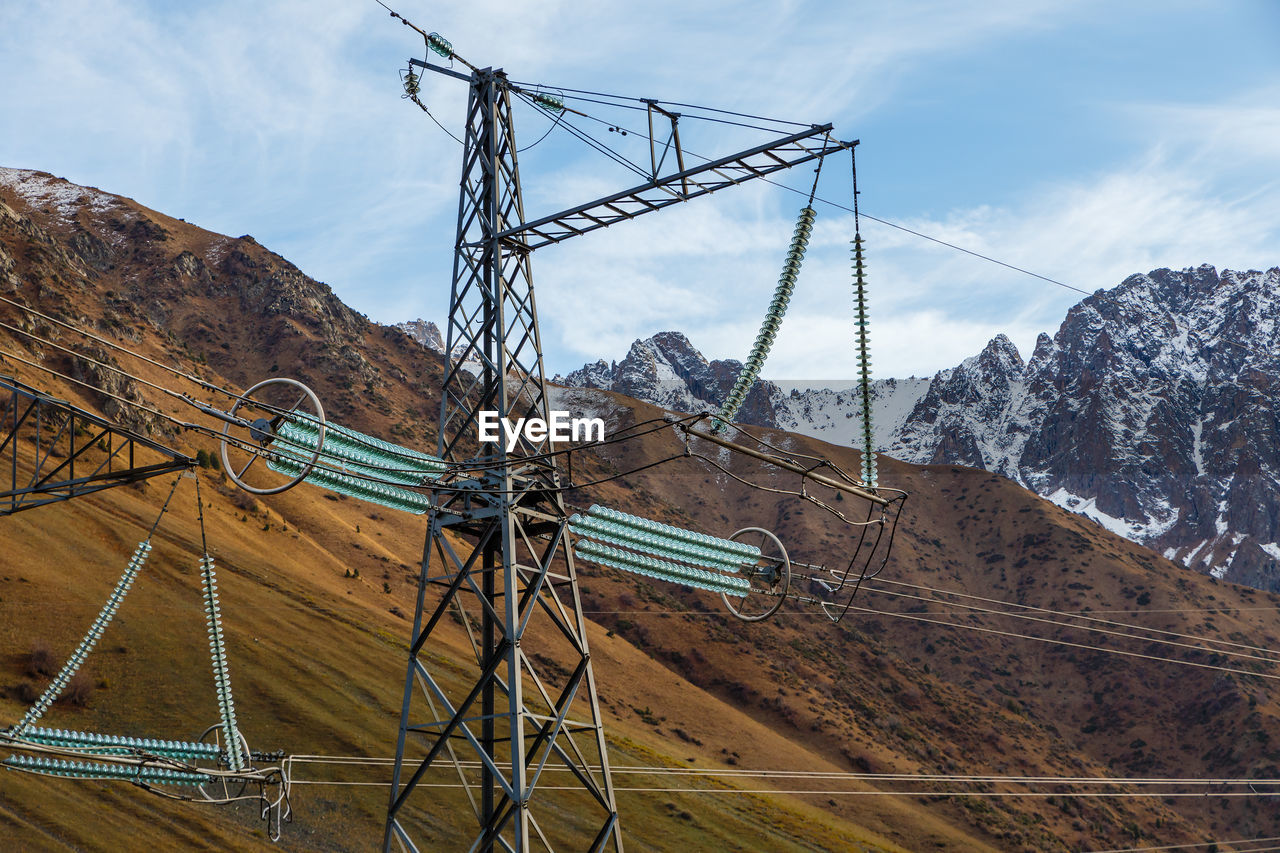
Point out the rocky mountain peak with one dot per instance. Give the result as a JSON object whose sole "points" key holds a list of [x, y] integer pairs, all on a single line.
{"points": [[668, 370], [424, 332], [1151, 410]]}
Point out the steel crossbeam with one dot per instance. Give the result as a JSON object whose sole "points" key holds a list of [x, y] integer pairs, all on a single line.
{"points": [[73, 452], [684, 185]]}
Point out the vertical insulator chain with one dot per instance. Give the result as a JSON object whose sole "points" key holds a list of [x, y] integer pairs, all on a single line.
{"points": [[77, 658], [869, 474], [772, 321], [218, 655]]}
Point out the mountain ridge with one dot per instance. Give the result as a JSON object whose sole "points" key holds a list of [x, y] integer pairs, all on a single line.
{"points": [[318, 592], [1140, 390]]}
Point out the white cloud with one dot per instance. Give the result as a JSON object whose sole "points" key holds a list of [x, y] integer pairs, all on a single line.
{"points": [[283, 119]]}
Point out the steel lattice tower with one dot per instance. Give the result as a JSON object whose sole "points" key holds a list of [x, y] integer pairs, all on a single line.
{"points": [[518, 712]]}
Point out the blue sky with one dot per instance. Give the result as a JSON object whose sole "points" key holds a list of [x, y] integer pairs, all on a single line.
{"points": [[1083, 140]]}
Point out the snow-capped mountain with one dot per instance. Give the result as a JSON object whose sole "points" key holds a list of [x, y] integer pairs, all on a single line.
{"points": [[668, 371], [1152, 410], [424, 332]]}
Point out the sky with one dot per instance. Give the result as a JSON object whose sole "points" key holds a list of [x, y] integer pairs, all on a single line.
{"points": [[1084, 141]]}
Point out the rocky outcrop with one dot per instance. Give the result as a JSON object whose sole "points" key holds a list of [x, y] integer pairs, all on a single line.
{"points": [[668, 370], [424, 332], [1153, 410]]}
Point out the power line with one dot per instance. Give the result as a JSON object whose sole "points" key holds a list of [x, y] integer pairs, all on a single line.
{"points": [[978, 628], [1081, 616], [733, 772], [1195, 846], [1068, 625], [1067, 643]]}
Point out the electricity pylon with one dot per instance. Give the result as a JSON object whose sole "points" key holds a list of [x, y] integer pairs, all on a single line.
{"points": [[497, 560]]}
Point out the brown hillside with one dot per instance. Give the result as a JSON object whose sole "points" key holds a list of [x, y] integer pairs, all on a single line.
{"points": [[317, 657]]}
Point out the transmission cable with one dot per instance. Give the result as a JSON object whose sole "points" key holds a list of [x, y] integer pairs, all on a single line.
{"points": [[1081, 616], [1194, 846], [1066, 643], [113, 345], [973, 608], [968, 627], [592, 142], [203, 383], [621, 101], [830, 775]]}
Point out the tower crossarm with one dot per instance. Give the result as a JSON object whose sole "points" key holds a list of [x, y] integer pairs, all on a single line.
{"points": [[758, 162], [53, 451]]}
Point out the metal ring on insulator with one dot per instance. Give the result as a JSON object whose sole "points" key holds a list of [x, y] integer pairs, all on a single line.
{"points": [[262, 431]]}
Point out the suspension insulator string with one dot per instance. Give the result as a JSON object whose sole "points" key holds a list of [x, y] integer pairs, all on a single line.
{"points": [[217, 648], [772, 320], [863, 345], [96, 629]]}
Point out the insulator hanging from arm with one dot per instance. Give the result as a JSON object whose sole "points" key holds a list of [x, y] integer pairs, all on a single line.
{"points": [[869, 473], [96, 629], [217, 647], [772, 321], [411, 87]]}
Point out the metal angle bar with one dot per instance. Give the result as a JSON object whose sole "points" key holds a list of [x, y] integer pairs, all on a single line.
{"points": [[551, 729], [538, 829], [17, 421], [606, 831], [455, 722], [457, 762], [531, 591], [406, 843], [493, 833], [559, 616], [73, 455], [440, 70], [100, 481], [802, 155], [463, 572], [393, 823], [559, 708], [17, 501]]}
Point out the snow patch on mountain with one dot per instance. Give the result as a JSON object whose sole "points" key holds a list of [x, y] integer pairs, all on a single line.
{"points": [[59, 197], [1152, 410]]}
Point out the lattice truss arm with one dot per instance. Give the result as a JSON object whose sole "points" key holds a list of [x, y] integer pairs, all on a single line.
{"points": [[52, 451], [704, 179]]}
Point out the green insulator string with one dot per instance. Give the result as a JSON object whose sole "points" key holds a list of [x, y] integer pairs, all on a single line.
{"points": [[772, 321], [869, 472], [661, 551], [648, 566], [440, 45], [96, 629], [100, 744], [352, 463], [217, 648], [100, 770], [613, 516], [549, 101], [411, 86], [610, 533]]}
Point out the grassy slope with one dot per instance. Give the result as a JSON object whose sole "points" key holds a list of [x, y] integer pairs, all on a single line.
{"points": [[317, 657]]}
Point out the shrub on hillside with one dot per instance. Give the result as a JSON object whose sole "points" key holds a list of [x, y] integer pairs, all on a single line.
{"points": [[40, 661]]}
